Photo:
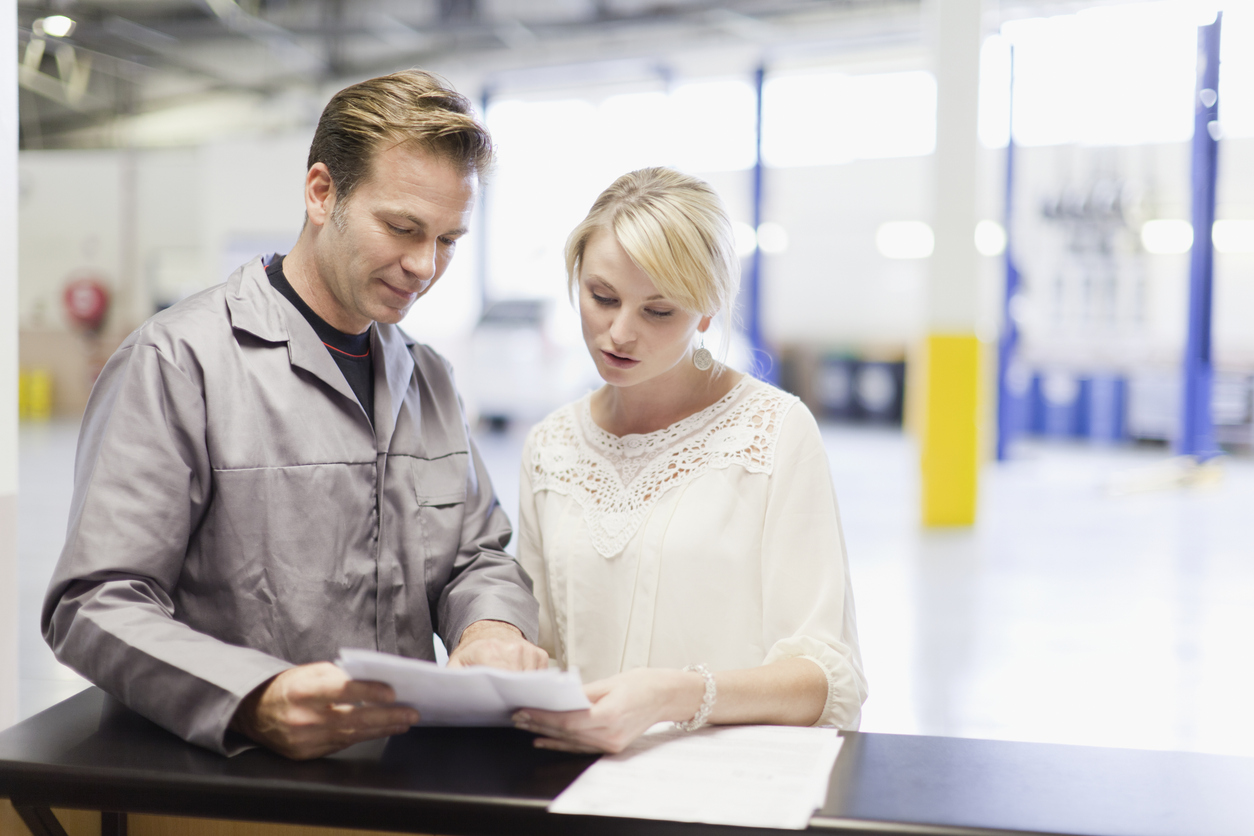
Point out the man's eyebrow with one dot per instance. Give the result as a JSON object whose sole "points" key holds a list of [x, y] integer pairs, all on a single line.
{"points": [[421, 224]]}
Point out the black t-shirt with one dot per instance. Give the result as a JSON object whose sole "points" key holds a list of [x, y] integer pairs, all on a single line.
{"points": [[351, 352]]}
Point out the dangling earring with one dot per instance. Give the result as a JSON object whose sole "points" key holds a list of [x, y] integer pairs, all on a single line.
{"points": [[702, 358]]}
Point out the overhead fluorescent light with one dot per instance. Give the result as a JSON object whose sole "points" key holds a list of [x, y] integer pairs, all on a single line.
{"points": [[772, 237], [990, 238]]}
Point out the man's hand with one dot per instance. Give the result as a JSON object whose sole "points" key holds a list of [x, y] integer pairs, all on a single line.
{"points": [[497, 645], [314, 710]]}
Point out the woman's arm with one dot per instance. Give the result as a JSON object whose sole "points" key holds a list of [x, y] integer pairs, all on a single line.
{"points": [[789, 692]]}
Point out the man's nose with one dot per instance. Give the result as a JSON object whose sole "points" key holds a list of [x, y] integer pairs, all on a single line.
{"points": [[419, 260]]}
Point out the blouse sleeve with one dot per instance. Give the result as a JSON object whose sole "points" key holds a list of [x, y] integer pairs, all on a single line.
{"points": [[807, 597], [531, 554]]}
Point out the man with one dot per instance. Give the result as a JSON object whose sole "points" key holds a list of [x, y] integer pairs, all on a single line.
{"points": [[271, 470]]}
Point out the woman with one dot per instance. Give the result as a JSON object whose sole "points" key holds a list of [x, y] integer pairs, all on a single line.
{"points": [[680, 523]]}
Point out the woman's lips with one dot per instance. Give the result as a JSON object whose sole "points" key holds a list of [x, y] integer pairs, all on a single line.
{"points": [[618, 362]]}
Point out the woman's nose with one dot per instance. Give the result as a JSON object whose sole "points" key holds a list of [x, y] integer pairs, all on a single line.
{"points": [[621, 330]]}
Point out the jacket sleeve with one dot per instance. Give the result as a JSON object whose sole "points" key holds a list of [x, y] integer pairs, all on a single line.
{"points": [[142, 481], [486, 582], [806, 592]]}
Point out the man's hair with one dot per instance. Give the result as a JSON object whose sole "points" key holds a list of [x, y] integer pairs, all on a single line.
{"points": [[412, 106], [675, 229]]}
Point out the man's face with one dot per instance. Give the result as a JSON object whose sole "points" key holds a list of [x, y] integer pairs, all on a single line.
{"points": [[392, 238]]}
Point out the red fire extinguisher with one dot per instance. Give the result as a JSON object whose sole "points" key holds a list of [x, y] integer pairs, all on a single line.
{"points": [[86, 303]]}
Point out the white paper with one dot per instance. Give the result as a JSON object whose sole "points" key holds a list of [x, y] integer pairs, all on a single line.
{"points": [[753, 776], [477, 696]]}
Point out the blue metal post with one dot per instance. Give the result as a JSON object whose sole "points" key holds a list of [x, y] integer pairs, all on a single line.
{"points": [[1197, 428], [764, 366], [1009, 340]]}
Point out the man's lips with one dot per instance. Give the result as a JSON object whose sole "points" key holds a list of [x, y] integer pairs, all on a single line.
{"points": [[406, 295], [618, 361]]}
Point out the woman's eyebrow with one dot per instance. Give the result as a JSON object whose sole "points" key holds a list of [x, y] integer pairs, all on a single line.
{"points": [[593, 277]]}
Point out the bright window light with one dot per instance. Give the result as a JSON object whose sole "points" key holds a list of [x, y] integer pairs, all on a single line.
{"points": [[746, 240], [994, 118], [534, 133], [990, 238], [772, 237], [629, 130], [896, 113], [1113, 75], [827, 118], [801, 124], [713, 126], [904, 239], [58, 26], [1167, 236], [1233, 236], [1236, 79]]}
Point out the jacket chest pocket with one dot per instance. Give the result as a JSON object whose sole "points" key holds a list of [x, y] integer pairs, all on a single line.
{"points": [[440, 494]]}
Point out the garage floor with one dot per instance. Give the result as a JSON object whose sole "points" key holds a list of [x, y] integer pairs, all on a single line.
{"points": [[1096, 602]]}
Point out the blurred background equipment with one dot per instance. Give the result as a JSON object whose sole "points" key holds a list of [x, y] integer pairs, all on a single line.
{"points": [[519, 369]]}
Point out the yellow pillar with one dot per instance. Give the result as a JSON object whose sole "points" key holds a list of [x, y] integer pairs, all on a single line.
{"points": [[951, 436], [951, 431]]}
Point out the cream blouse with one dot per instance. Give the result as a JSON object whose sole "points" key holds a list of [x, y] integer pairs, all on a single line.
{"points": [[716, 540]]}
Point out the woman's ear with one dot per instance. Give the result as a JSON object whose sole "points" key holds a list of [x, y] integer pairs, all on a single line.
{"points": [[704, 324]]}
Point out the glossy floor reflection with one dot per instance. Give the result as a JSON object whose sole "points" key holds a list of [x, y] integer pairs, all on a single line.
{"points": [[1071, 613]]}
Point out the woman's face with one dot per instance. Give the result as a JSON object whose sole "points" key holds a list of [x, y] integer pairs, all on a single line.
{"points": [[633, 332]]}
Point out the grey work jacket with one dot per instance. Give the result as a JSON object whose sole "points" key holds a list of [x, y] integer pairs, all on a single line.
{"points": [[235, 513]]}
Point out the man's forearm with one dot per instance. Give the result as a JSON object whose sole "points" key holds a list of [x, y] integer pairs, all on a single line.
{"points": [[124, 646], [497, 644], [488, 627]]}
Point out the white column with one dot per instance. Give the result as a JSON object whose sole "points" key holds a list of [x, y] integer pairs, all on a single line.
{"points": [[953, 300], [951, 438], [8, 363]]}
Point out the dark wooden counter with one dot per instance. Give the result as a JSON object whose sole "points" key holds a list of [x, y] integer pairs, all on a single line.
{"points": [[89, 752]]}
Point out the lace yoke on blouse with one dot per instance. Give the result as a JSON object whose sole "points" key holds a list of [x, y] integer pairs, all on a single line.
{"points": [[617, 479]]}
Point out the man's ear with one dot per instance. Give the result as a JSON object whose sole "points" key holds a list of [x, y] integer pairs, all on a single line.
{"points": [[319, 194]]}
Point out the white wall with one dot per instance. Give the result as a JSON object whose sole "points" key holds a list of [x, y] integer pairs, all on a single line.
{"points": [[70, 225], [198, 212], [8, 365]]}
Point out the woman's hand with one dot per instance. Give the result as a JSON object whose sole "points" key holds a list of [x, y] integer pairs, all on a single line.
{"points": [[623, 707]]}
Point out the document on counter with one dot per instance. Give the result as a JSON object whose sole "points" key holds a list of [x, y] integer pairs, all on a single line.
{"points": [[476, 696], [753, 776]]}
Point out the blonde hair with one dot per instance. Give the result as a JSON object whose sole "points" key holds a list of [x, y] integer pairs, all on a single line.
{"points": [[409, 106], [675, 228]]}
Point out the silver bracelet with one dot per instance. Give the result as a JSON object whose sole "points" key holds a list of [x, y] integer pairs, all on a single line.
{"points": [[707, 702]]}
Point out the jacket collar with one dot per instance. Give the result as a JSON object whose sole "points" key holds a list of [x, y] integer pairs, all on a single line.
{"points": [[257, 308], [394, 367]]}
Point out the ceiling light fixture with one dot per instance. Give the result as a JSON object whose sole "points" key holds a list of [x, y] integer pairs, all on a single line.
{"points": [[58, 26]]}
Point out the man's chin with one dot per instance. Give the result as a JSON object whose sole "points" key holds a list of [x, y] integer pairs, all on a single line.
{"points": [[390, 316]]}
